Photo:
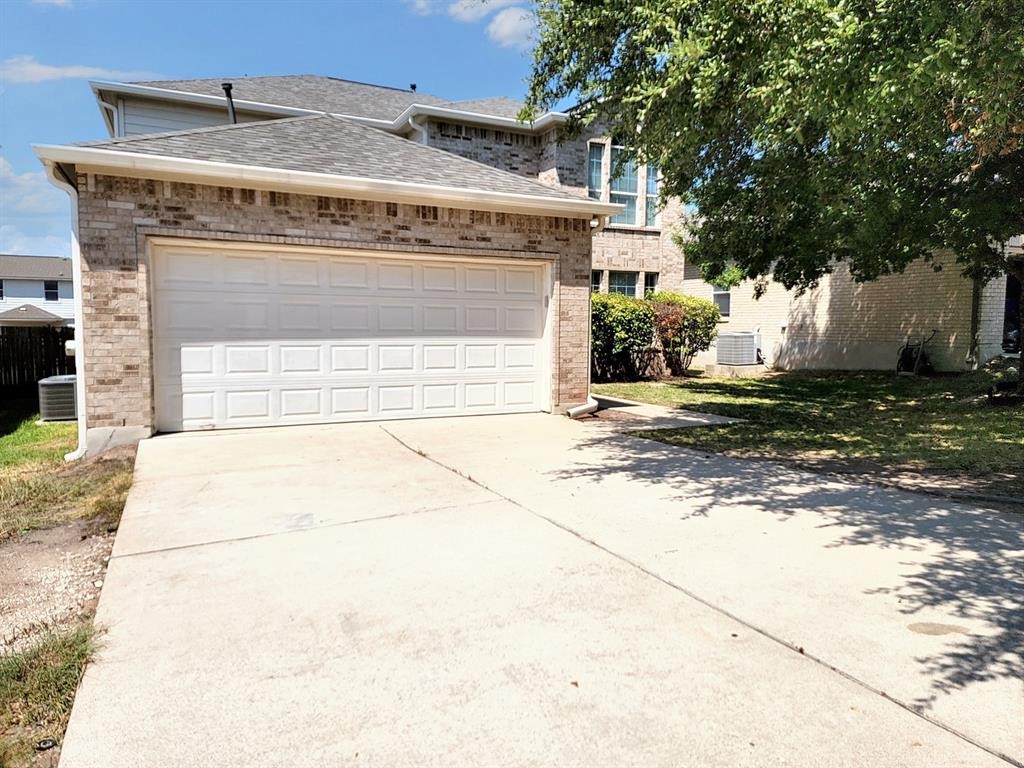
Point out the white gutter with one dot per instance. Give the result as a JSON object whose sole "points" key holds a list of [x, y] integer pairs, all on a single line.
{"points": [[309, 182], [548, 119], [76, 281]]}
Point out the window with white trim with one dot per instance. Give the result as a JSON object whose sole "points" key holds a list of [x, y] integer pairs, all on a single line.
{"points": [[723, 300], [651, 198], [49, 290], [629, 185], [650, 282], [623, 282], [595, 170]]}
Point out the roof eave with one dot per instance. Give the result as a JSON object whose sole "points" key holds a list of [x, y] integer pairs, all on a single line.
{"points": [[259, 177]]}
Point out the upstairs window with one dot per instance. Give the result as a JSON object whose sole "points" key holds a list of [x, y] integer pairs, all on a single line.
{"points": [[49, 290], [622, 282], [624, 186], [634, 187], [595, 165], [651, 199], [1, 290]]}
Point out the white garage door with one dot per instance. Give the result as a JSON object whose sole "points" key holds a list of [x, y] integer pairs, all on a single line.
{"points": [[250, 337]]}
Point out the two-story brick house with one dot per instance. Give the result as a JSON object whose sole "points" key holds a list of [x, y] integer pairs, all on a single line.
{"points": [[841, 324], [307, 249]]}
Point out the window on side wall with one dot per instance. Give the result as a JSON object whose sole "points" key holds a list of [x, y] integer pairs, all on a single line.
{"points": [[49, 290], [595, 170], [622, 282], [723, 299], [650, 282], [625, 186], [1, 290], [595, 281]]}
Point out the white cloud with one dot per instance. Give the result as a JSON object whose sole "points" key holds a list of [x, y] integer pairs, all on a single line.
{"points": [[13, 240], [469, 11], [29, 193], [58, 3], [25, 69], [512, 28], [422, 7]]}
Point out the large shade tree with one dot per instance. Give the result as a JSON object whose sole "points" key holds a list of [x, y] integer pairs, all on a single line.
{"points": [[809, 132]]}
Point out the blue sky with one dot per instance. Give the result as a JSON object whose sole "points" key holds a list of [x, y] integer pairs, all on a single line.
{"points": [[50, 49]]}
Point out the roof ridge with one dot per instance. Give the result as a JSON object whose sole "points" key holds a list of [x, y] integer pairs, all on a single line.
{"points": [[198, 131], [230, 78]]}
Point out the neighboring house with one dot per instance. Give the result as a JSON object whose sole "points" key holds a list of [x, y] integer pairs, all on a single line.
{"points": [[36, 290]]}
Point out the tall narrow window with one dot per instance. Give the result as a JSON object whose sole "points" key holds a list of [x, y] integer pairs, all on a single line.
{"points": [[723, 298], [595, 170], [650, 282], [595, 281], [651, 199], [50, 290], [623, 186], [1, 290]]}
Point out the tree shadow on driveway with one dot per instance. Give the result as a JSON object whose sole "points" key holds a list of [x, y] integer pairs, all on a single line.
{"points": [[970, 561]]}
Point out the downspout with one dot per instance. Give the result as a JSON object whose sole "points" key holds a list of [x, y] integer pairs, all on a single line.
{"points": [[60, 180], [423, 138]]}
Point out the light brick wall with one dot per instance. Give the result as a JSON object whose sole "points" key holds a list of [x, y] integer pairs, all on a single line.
{"points": [[116, 215]]}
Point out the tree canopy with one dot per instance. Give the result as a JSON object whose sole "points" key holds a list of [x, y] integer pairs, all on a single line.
{"points": [[809, 132]]}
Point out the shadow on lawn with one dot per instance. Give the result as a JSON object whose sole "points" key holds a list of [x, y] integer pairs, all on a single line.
{"points": [[16, 405], [969, 565]]}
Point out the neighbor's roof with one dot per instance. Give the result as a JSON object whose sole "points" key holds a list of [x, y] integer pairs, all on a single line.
{"points": [[35, 267], [323, 94], [331, 154], [29, 313]]}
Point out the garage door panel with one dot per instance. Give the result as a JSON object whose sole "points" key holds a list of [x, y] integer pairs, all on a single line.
{"points": [[293, 338]]}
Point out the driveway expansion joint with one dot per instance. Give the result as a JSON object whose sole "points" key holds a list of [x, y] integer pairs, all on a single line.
{"points": [[791, 646]]}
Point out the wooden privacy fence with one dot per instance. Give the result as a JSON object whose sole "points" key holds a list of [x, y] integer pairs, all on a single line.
{"points": [[28, 354]]}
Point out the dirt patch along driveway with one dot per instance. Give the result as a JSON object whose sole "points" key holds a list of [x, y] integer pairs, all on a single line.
{"points": [[348, 595]]}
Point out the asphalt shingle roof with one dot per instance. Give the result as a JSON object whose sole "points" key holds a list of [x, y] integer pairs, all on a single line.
{"points": [[34, 267], [323, 94], [331, 94], [332, 145], [29, 313]]}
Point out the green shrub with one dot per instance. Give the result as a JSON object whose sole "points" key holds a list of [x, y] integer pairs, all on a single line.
{"points": [[622, 337], [685, 325]]}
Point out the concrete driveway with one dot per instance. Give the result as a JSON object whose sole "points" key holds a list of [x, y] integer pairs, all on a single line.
{"points": [[532, 591]]}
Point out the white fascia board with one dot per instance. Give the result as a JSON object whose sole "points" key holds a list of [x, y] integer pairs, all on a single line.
{"points": [[456, 115], [207, 171]]}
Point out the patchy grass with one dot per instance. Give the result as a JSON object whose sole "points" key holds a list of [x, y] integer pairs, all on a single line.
{"points": [[39, 490], [856, 422], [37, 689]]}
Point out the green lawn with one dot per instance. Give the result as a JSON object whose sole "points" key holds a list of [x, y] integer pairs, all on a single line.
{"points": [[867, 421]]}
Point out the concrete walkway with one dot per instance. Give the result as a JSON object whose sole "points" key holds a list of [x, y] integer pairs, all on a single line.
{"points": [[533, 591]]}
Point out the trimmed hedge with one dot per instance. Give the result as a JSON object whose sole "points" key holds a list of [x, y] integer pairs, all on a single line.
{"points": [[621, 337], [629, 335]]}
